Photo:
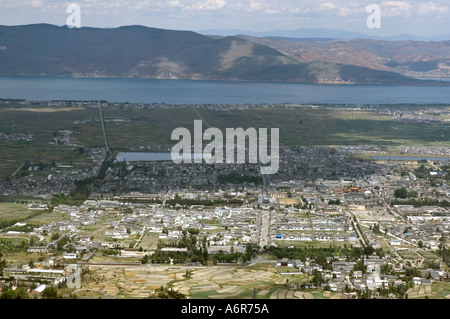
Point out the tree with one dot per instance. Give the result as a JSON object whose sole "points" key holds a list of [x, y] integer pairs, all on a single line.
{"points": [[20, 293], [368, 250], [188, 274], [2, 264], [360, 266], [412, 194], [167, 293], [50, 292], [248, 251], [401, 193], [376, 229], [33, 241]]}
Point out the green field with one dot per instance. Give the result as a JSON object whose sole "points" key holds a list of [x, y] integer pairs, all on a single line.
{"points": [[408, 254], [149, 241], [298, 126], [12, 211], [49, 217], [97, 230], [43, 124], [328, 126]]}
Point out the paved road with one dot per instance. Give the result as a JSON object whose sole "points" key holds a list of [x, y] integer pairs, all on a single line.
{"points": [[102, 120], [264, 233], [355, 226]]}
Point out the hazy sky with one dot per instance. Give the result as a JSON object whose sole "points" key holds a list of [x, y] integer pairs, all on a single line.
{"points": [[418, 17]]}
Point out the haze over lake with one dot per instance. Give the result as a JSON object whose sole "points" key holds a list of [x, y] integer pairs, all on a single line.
{"points": [[212, 92]]}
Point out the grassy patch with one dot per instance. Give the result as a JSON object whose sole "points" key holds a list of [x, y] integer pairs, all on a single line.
{"points": [[12, 211], [318, 295]]}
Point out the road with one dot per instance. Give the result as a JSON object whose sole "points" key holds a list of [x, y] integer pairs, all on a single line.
{"points": [[264, 229], [141, 236], [355, 226], [102, 120]]}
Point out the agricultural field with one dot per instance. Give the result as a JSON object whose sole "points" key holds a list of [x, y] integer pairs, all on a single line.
{"points": [[43, 125], [428, 254], [97, 231], [384, 243], [325, 125], [149, 241], [13, 211], [298, 126], [215, 282], [19, 259], [260, 281], [47, 218], [408, 254], [438, 290]]}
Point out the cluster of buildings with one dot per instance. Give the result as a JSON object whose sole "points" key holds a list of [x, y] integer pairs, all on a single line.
{"points": [[16, 137], [53, 178], [345, 278]]}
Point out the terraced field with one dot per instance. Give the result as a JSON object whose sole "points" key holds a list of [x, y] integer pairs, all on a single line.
{"points": [[261, 281]]}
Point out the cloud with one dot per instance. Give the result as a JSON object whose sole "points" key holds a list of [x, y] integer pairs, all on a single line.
{"points": [[255, 5], [396, 8], [36, 3], [208, 5], [344, 8], [432, 8], [328, 5]]}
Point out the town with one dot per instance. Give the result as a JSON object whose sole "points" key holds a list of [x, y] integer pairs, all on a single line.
{"points": [[339, 222]]}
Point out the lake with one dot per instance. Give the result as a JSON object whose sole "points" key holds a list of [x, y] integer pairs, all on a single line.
{"points": [[151, 156], [212, 92]]}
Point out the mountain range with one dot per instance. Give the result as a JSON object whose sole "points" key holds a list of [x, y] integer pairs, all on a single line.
{"points": [[324, 33], [418, 59], [138, 51]]}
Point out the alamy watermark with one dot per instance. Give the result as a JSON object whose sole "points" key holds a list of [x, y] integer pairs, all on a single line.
{"points": [[374, 20], [73, 20], [235, 146], [74, 280]]}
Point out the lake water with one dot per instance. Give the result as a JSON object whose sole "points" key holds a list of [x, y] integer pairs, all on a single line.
{"points": [[212, 92], [151, 156]]}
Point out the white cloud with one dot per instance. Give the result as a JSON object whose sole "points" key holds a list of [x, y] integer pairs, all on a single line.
{"points": [[396, 8], [432, 8], [36, 3], [328, 5], [255, 5], [343, 8], [207, 5]]}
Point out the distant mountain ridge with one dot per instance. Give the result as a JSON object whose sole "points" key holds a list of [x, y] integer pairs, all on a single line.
{"points": [[321, 33], [418, 59], [138, 51]]}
